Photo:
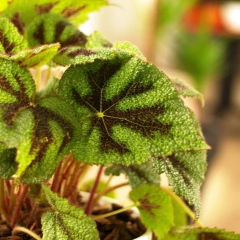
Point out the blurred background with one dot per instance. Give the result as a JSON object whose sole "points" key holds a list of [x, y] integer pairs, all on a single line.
{"points": [[198, 42]]}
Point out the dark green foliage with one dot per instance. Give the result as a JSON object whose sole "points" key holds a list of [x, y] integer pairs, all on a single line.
{"points": [[10, 39], [52, 28]]}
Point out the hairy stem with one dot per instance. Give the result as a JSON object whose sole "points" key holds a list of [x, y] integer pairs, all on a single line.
{"points": [[113, 212], [90, 202], [27, 231], [183, 206]]}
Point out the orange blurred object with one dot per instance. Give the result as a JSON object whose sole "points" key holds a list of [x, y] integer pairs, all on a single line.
{"points": [[206, 14]]}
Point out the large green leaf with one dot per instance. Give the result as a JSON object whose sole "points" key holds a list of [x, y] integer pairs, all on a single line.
{"points": [[137, 174], [66, 222], [155, 207], [41, 130], [201, 233], [132, 112], [10, 39], [52, 28], [22, 12]]}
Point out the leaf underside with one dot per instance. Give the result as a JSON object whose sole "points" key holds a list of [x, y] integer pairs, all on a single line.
{"points": [[137, 174]]}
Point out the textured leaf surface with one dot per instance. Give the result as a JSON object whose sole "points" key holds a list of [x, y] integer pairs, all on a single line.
{"points": [[137, 174], [155, 208], [16, 89], [186, 90], [42, 132], [22, 12], [66, 222], [185, 172], [51, 28], [56, 131], [10, 39], [202, 233], [8, 165], [131, 111], [36, 57], [96, 49]]}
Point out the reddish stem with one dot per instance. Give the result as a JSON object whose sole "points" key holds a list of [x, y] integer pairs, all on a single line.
{"points": [[16, 212], [89, 204], [65, 175], [55, 181]]}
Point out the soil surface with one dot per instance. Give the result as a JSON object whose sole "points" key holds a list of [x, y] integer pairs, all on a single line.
{"points": [[118, 227]]}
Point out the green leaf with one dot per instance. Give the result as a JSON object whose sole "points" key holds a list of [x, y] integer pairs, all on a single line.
{"points": [[130, 110], [79, 55], [96, 50], [10, 39], [66, 222], [201, 233], [41, 130], [76, 11], [183, 174], [137, 174], [22, 12], [55, 134], [16, 90], [8, 165], [96, 40], [155, 208], [52, 28], [36, 57], [186, 90]]}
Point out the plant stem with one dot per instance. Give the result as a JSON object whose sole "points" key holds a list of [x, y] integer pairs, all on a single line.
{"points": [[2, 201], [19, 205], [89, 204], [27, 231], [73, 183], [184, 206], [113, 212], [55, 181]]}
